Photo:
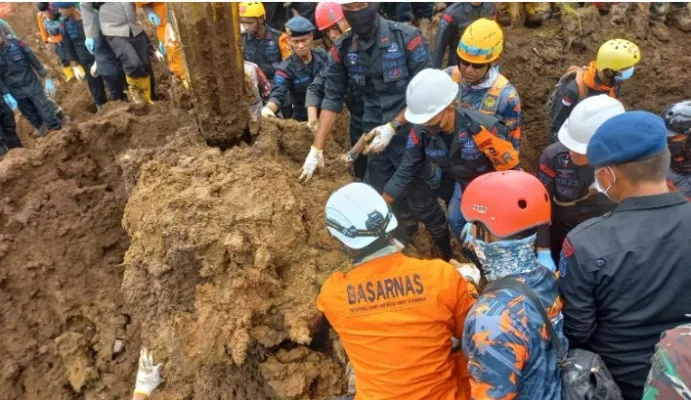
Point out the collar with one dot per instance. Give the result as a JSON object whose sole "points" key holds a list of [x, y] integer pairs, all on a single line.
{"points": [[651, 202], [484, 83]]}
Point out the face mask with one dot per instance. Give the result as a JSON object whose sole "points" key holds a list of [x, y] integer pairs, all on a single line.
{"points": [[363, 22], [506, 257], [599, 188], [625, 74]]}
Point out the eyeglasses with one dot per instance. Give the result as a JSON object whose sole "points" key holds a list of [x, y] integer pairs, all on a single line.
{"points": [[467, 64]]}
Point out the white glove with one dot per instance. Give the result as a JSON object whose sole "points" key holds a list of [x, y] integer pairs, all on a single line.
{"points": [[159, 56], [467, 238], [468, 271], [148, 376], [79, 72], [379, 138], [268, 113], [94, 70], [350, 157], [314, 159]]}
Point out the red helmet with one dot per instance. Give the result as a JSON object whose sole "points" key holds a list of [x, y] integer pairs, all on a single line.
{"points": [[506, 202], [327, 14]]}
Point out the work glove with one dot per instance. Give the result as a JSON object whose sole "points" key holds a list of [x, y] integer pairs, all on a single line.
{"points": [[544, 257], [162, 48], [268, 113], [79, 72], [159, 56], [154, 19], [313, 125], [467, 239], [314, 159], [148, 376], [468, 271], [94, 70], [50, 87], [350, 157], [90, 45], [11, 101], [379, 137]]}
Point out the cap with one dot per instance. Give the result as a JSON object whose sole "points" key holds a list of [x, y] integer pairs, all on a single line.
{"points": [[299, 26], [627, 137], [64, 5]]}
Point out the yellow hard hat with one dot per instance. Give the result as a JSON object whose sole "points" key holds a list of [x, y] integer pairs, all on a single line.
{"points": [[617, 54], [482, 42], [253, 9]]}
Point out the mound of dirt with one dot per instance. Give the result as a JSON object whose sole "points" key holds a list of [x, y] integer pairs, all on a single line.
{"points": [[227, 254]]}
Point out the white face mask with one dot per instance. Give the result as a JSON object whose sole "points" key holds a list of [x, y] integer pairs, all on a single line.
{"points": [[599, 188]]}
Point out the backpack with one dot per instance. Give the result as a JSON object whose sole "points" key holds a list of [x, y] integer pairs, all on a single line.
{"points": [[574, 72], [584, 375]]}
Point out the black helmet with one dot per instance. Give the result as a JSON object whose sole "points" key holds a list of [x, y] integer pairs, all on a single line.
{"points": [[678, 118]]}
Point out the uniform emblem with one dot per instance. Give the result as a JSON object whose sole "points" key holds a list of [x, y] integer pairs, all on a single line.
{"points": [[393, 48], [490, 102], [353, 58]]}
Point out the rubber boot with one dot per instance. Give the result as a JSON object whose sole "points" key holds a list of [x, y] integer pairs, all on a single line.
{"points": [[135, 91], [69, 74], [145, 86]]}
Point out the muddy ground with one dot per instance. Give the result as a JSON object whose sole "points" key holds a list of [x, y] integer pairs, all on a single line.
{"points": [[125, 230]]}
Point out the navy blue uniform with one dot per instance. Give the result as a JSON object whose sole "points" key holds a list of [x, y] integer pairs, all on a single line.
{"points": [[73, 39], [292, 79], [8, 129], [453, 22], [18, 68], [625, 279], [574, 200], [263, 51]]}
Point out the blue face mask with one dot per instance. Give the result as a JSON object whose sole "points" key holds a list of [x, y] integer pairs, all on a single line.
{"points": [[624, 75]]}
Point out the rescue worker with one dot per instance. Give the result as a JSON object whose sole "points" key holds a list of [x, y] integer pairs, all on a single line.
{"points": [[106, 64], [624, 275], [332, 23], [446, 134], [48, 20], [73, 39], [396, 316], [19, 82], [157, 14], [380, 57], [505, 338], [407, 12], [8, 127], [614, 64], [453, 22], [670, 375], [126, 37], [261, 88], [262, 44], [482, 87], [296, 72], [678, 121], [148, 376], [565, 172]]}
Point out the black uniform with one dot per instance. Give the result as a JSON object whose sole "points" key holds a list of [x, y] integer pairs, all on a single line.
{"points": [[110, 68], [625, 279], [293, 77], [353, 100], [264, 51], [18, 76], [8, 129], [566, 101], [453, 22], [73, 39], [381, 70], [573, 198]]}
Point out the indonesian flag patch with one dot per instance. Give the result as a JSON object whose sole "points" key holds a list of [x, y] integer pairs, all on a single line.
{"points": [[566, 101]]}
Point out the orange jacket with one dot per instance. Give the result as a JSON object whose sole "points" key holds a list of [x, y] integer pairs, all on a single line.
{"points": [[45, 37], [395, 316]]}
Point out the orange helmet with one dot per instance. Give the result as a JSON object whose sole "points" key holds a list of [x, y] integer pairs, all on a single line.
{"points": [[506, 202], [327, 14]]}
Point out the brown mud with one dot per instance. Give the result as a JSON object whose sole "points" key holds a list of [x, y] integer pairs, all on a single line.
{"points": [[124, 230]]}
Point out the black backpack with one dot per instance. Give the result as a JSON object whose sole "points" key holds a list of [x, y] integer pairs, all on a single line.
{"points": [[573, 73], [584, 375]]}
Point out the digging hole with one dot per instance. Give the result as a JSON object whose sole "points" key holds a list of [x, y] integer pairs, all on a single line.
{"points": [[224, 144]]}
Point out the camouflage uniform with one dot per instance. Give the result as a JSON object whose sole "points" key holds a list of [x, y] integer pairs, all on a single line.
{"points": [[671, 370]]}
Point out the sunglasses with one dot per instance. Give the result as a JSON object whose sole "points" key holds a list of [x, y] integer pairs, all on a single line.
{"points": [[467, 64]]}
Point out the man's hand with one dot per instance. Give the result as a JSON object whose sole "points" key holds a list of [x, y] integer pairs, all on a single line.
{"points": [[148, 376], [467, 271], [94, 70], [50, 87], [314, 159], [468, 236], [268, 113], [350, 157], [90, 44], [544, 257], [313, 125], [387, 198], [154, 19], [78, 72], [378, 138], [11, 101]]}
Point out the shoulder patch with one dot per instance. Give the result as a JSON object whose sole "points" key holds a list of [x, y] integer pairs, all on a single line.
{"points": [[566, 101], [567, 248], [547, 170], [334, 54], [446, 17], [413, 44]]}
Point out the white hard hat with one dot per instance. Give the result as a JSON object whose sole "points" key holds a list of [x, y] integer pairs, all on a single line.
{"points": [[584, 120], [428, 94], [357, 215]]}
